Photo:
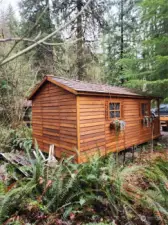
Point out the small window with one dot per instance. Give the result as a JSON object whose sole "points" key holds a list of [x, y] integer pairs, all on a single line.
{"points": [[144, 109], [114, 110]]}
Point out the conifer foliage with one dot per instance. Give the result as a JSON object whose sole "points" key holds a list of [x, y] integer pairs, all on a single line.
{"points": [[144, 63], [120, 37], [85, 29], [36, 20]]}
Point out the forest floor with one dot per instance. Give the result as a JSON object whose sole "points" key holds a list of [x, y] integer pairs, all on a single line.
{"points": [[104, 183], [160, 148], [164, 137], [147, 152]]}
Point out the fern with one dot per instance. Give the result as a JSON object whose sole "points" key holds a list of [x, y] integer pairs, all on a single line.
{"points": [[110, 223], [12, 200], [63, 189], [98, 184]]}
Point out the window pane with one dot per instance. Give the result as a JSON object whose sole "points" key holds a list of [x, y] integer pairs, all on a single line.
{"points": [[117, 106], [112, 115], [117, 114], [112, 106], [144, 109], [114, 109]]}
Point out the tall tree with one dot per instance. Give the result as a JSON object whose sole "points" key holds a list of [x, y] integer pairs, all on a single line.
{"points": [[9, 25], [120, 37], [36, 14], [151, 65], [85, 29]]}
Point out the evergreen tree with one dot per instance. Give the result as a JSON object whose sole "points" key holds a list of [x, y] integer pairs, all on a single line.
{"points": [[9, 25], [85, 29], [120, 37], [36, 15], [150, 68]]}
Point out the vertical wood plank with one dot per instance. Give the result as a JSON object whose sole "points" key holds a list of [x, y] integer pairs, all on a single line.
{"points": [[106, 118], [54, 120], [78, 127]]}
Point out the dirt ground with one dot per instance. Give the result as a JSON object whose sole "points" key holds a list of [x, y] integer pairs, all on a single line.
{"points": [[164, 138], [147, 152], [160, 149]]}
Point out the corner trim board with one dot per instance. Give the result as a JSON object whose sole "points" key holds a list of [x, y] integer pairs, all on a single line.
{"points": [[78, 126]]}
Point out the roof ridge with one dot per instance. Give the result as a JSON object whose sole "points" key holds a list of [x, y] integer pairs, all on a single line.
{"points": [[78, 87], [87, 82]]}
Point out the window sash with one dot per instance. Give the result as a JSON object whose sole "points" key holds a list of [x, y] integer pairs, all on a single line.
{"points": [[114, 110], [145, 109]]}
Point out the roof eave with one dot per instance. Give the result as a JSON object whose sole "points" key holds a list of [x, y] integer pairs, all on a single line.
{"points": [[49, 78], [116, 95], [30, 97], [78, 92]]}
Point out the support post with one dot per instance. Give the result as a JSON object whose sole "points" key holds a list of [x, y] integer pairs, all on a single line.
{"points": [[124, 154], [158, 108], [133, 150]]}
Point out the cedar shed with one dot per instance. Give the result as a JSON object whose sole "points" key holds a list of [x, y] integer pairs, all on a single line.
{"points": [[80, 118]]}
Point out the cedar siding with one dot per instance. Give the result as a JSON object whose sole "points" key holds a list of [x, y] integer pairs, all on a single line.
{"points": [[54, 119], [92, 126], [95, 133], [78, 123]]}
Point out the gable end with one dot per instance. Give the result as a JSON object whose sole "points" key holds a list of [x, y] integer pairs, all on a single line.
{"points": [[49, 79]]}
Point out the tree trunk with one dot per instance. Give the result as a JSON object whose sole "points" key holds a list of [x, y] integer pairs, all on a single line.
{"points": [[49, 49], [122, 38], [80, 49], [122, 30]]}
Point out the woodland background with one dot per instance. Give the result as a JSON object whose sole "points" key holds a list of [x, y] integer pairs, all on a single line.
{"points": [[119, 42], [123, 42]]}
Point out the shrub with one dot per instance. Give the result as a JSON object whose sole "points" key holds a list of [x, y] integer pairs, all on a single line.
{"points": [[4, 138], [12, 201], [21, 138]]}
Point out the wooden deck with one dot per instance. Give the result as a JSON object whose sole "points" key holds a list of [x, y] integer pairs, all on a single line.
{"points": [[164, 123], [164, 118]]}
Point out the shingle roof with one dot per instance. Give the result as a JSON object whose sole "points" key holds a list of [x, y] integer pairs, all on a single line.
{"points": [[82, 87]]}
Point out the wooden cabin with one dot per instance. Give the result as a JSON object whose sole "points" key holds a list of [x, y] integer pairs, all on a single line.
{"points": [[80, 118]]}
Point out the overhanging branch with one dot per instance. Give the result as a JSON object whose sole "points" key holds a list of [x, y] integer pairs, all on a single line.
{"points": [[35, 41], [45, 38]]}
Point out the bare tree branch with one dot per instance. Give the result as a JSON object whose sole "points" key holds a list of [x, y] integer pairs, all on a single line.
{"points": [[45, 38], [35, 41], [16, 42]]}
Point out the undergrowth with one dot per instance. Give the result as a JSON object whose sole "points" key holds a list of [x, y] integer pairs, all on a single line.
{"points": [[99, 191], [15, 139]]}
